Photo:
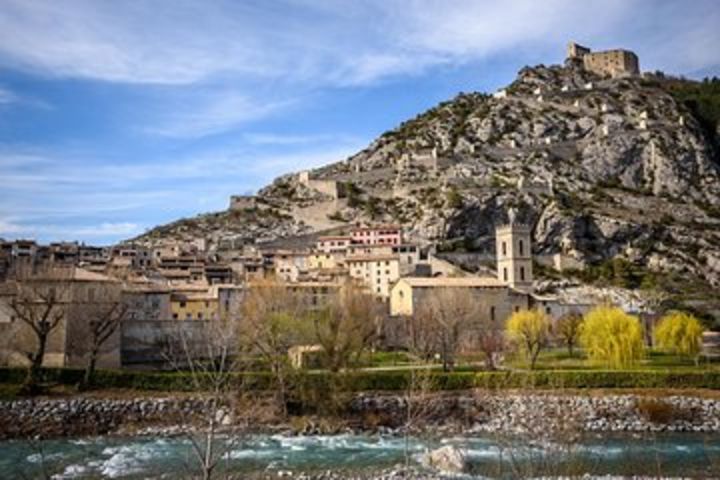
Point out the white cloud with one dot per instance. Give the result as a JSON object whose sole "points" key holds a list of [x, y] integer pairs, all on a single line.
{"points": [[264, 138], [211, 113], [72, 196], [102, 230], [8, 226], [338, 43], [6, 96], [106, 229]]}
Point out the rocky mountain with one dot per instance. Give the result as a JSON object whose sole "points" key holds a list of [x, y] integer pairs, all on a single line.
{"points": [[621, 175]]}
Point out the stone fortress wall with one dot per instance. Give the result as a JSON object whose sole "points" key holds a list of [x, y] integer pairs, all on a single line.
{"points": [[330, 188], [243, 202], [615, 63]]}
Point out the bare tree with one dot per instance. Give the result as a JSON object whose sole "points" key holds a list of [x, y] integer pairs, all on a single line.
{"points": [[39, 301], [209, 355], [568, 330], [450, 319], [346, 327], [490, 340], [449, 314], [417, 399], [422, 334], [99, 319], [275, 317]]}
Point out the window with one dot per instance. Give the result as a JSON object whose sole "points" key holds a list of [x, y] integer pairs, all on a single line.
{"points": [[522, 274], [504, 248], [520, 245], [505, 275], [182, 304], [517, 309], [378, 289], [188, 316], [409, 259], [548, 310], [492, 314], [175, 316], [200, 316]]}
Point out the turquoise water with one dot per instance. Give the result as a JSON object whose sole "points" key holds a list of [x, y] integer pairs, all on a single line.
{"points": [[687, 455]]}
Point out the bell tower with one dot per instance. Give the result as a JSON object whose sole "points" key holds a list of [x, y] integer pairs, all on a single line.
{"points": [[514, 256]]}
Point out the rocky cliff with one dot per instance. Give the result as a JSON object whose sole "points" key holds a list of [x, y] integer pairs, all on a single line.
{"points": [[601, 168]]}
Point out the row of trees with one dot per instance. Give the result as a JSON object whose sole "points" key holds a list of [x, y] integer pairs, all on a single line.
{"points": [[275, 317], [607, 334], [41, 299]]}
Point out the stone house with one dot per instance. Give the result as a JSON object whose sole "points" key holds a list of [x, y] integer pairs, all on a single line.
{"points": [[78, 291], [408, 255], [377, 272], [496, 296], [329, 244]]}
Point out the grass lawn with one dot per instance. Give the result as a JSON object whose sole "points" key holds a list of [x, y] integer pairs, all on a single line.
{"points": [[559, 359]]}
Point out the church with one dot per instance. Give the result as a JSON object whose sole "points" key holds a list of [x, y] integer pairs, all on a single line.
{"points": [[510, 290]]}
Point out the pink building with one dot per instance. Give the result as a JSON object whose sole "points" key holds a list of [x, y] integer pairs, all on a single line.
{"points": [[378, 235]]}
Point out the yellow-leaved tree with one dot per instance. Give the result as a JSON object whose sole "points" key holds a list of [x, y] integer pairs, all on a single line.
{"points": [[530, 329], [680, 333], [612, 337]]}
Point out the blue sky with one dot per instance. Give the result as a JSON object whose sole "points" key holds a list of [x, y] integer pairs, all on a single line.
{"points": [[116, 116]]}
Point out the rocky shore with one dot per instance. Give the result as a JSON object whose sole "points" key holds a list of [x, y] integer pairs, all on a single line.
{"points": [[469, 412], [546, 413]]}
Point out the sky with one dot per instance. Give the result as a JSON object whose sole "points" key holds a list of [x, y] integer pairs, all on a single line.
{"points": [[117, 116]]}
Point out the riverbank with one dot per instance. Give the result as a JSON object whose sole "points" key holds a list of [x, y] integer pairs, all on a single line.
{"points": [[479, 411]]}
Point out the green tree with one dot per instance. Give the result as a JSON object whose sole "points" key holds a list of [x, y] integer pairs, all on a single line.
{"points": [[612, 337], [275, 318], [454, 198], [531, 330], [680, 333]]}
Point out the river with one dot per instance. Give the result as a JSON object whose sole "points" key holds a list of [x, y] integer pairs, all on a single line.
{"points": [[672, 455]]}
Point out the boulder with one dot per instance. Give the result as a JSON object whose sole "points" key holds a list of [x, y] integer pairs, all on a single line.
{"points": [[448, 459]]}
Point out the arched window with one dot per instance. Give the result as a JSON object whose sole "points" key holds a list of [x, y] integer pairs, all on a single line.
{"points": [[522, 274], [504, 248], [505, 275], [521, 247], [492, 314]]}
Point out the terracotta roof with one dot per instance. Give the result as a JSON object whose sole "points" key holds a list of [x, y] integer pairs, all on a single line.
{"points": [[450, 282], [370, 258], [82, 275], [381, 245], [378, 227], [196, 296]]}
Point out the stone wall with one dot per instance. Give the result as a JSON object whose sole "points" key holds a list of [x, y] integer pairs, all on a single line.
{"points": [[612, 62], [149, 343], [330, 188], [243, 202]]}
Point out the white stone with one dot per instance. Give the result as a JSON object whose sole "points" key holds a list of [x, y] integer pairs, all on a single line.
{"points": [[447, 459]]}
